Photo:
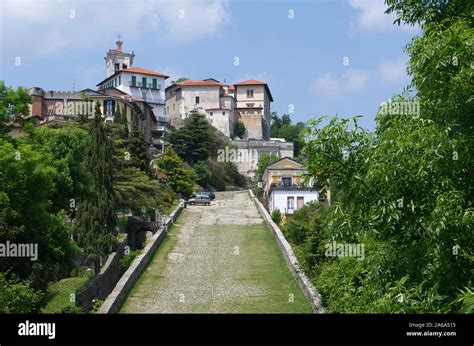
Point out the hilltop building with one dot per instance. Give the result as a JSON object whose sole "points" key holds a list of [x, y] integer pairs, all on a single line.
{"points": [[206, 96], [138, 82]]}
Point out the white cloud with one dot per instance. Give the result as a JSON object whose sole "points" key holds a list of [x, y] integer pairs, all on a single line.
{"points": [[371, 17], [332, 84], [191, 20], [393, 71], [46, 27]]}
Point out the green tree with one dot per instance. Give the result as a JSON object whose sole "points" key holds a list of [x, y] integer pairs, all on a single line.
{"points": [[172, 169], [196, 140], [239, 129], [18, 297], [182, 79], [29, 213], [14, 106], [96, 215], [203, 174], [283, 128], [263, 162]]}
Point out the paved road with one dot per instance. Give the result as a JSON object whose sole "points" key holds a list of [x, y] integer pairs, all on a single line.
{"points": [[218, 259]]}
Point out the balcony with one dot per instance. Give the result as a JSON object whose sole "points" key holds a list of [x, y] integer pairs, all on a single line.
{"points": [[289, 186], [144, 85]]}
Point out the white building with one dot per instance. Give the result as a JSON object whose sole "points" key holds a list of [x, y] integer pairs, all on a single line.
{"points": [[207, 97], [284, 187], [140, 83]]}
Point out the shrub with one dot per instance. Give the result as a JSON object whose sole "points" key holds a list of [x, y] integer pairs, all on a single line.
{"points": [[72, 310], [202, 174], [127, 260], [276, 216], [17, 296]]}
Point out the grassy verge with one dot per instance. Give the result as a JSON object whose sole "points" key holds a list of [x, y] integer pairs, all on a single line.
{"points": [[59, 294]]}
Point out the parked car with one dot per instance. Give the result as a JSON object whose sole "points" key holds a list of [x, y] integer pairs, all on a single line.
{"points": [[199, 199], [211, 195]]}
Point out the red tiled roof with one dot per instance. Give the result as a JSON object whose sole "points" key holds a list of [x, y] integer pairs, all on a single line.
{"points": [[192, 82], [144, 71], [256, 82], [251, 82]]}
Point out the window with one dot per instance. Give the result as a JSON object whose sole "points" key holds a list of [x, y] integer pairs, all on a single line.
{"points": [[197, 100], [109, 107], [223, 113], [134, 80], [286, 181], [154, 83], [144, 82], [250, 105], [120, 80], [117, 67], [144, 95], [124, 66], [290, 203], [299, 202], [210, 113], [249, 93]]}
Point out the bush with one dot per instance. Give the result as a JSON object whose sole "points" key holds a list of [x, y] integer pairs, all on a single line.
{"points": [[218, 175], [127, 260], [239, 129], [72, 310], [17, 296], [203, 174], [276, 216], [97, 304], [82, 271], [232, 174]]}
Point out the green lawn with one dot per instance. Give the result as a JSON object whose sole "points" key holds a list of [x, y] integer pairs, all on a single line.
{"points": [[59, 294]]}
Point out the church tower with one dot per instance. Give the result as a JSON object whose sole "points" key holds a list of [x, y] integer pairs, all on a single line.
{"points": [[117, 60]]}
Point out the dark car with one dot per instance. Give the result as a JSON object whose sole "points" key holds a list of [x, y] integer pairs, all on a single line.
{"points": [[200, 199]]}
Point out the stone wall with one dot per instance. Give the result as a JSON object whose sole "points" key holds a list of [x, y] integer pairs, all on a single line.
{"points": [[305, 284], [251, 150], [114, 301], [100, 286]]}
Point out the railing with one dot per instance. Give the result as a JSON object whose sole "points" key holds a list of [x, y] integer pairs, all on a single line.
{"points": [[144, 85], [284, 185]]}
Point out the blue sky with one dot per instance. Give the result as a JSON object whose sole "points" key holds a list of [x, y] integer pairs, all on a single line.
{"points": [[59, 43]]}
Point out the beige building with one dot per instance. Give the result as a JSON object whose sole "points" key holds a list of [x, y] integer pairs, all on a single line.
{"points": [[207, 97], [252, 107]]}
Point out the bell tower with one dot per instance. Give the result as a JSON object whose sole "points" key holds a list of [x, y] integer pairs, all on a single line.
{"points": [[117, 60]]}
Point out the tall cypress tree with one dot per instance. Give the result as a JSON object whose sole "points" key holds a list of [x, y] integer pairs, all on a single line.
{"points": [[96, 215]]}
